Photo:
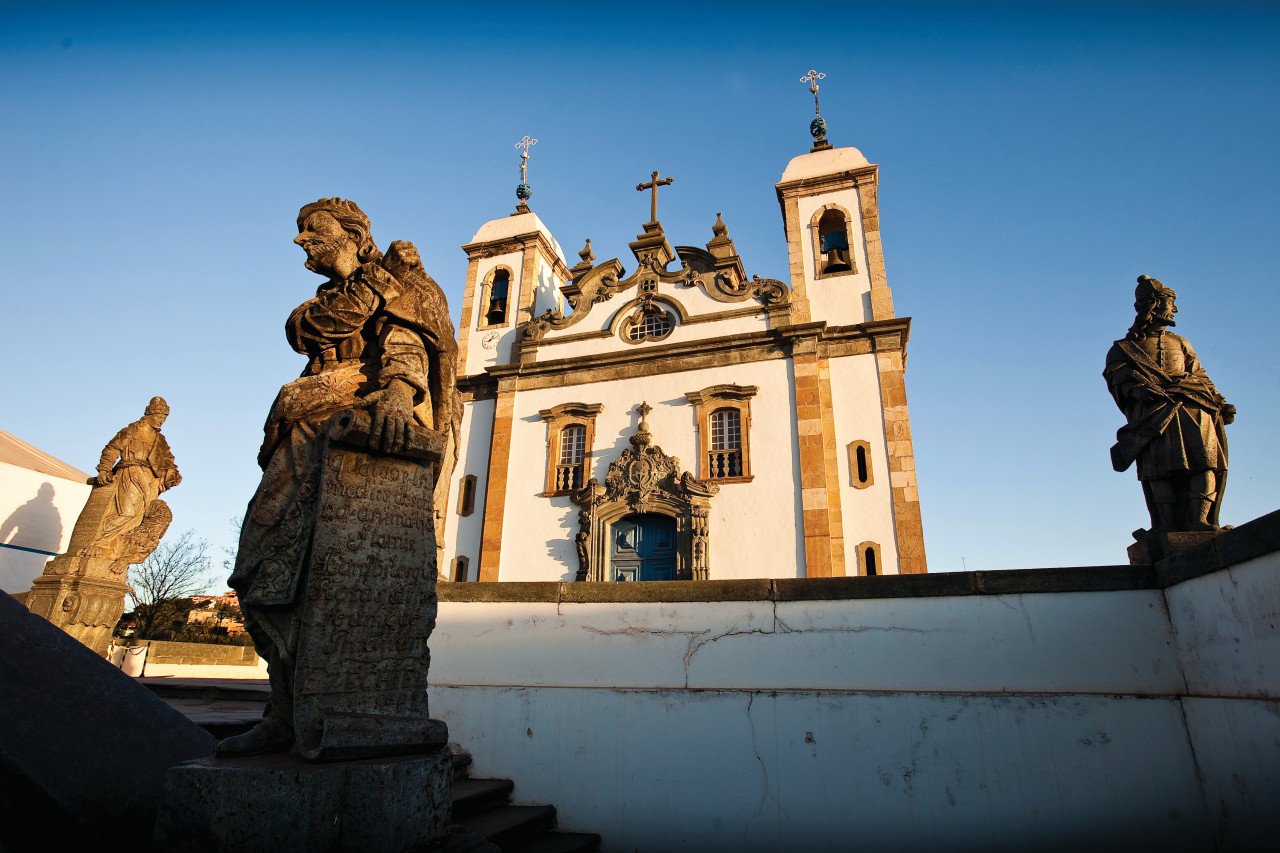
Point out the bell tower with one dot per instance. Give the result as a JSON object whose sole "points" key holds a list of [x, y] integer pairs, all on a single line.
{"points": [[515, 269], [831, 218]]}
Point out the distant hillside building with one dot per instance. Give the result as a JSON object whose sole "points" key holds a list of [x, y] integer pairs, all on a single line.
{"points": [[40, 498], [686, 418]]}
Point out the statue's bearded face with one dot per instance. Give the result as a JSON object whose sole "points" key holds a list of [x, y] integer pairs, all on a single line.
{"points": [[1165, 309], [330, 249]]}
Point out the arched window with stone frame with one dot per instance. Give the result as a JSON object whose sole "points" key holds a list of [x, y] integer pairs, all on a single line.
{"points": [[495, 299], [869, 562], [570, 433], [861, 475], [723, 417], [832, 230]]}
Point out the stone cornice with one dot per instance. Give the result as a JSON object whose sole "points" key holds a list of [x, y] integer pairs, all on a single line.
{"points": [[746, 347], [519, 243], [825, 183]]}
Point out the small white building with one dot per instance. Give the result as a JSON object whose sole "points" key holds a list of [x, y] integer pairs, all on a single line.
{"points": [[686, 418], [40, 500]]}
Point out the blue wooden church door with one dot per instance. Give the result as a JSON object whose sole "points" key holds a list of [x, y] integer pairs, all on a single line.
{"points": [[643, 548]]}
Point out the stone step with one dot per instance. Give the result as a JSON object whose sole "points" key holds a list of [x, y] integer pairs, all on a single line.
{"points": [[510, 827], [473, 796], [562, 842]]}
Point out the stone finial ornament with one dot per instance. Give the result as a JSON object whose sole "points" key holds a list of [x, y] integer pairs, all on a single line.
{"points": [[1175, 420], [122, 522], [336, 565]]}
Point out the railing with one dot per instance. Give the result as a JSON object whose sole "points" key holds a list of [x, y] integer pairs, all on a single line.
{"points": [[568, 478], [722, 464]]}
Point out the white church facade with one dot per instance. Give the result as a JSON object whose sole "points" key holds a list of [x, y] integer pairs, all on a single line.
{"points": [[678, 417]]}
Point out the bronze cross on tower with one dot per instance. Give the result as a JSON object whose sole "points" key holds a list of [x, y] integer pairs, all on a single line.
{"points": [[653, 184], [526, 144], [812, 79]]}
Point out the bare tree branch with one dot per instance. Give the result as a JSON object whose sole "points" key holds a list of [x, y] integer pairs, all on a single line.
{"points": [[178, 568]]}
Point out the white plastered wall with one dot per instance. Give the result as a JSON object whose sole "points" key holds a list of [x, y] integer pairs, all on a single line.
{"points": [[37, 518], [753, 526], [976, 722], [842, 299], [682, 334], [462, 533], [858, 416], [546, 293]]}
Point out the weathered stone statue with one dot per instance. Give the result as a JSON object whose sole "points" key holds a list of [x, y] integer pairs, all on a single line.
{"points": [[123, 521], [1175, 418], [336, 571], [336, 565]]}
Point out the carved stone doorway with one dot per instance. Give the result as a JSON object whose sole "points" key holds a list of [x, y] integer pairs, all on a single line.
{"points": [[644, 483], [643, 548]]}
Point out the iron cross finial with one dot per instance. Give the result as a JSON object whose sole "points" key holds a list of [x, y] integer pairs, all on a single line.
{"points": [[526, 143], [812, 79], [653, 184]]}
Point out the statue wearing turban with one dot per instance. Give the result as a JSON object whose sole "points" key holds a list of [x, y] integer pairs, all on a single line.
{"points": [[1175, 417]]}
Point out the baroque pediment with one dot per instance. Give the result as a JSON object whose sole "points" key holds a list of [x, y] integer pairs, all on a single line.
{"points": [[717, 270]]}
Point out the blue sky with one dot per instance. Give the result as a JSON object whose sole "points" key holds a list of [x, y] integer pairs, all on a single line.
{"points": [[1034, 160]]}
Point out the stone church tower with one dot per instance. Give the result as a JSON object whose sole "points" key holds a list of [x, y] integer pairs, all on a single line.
{"points": [[682, 418]]}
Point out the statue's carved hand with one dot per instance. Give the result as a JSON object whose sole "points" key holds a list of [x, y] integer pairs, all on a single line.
{"points": [[391, 414], [1228, 414], [104, 478]]}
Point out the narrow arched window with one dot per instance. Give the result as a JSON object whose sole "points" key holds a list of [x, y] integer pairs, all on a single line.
{"points": [[868, 559], [461, 566], [573, 452], [833, 242], [725, 454], [467, 495], [495, 313], [860, 473]]}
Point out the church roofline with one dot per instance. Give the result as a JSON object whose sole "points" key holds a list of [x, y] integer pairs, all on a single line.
{"points": [[816, 164], [513, 228]]}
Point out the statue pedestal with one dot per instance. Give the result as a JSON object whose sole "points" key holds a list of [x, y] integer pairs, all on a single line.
{"points": [[75, 594], [281, 804], [1154, 547]]}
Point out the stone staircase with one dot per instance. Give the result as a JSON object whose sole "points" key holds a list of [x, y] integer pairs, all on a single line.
{"points": [[482, 808]]}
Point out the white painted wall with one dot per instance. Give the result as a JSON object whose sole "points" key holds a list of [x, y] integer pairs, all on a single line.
{"points": [[753, 526], [774, 770], [38, 512], [995, 722], [1071, 642], [1227, 631], [858, 416], [546, 289]]}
